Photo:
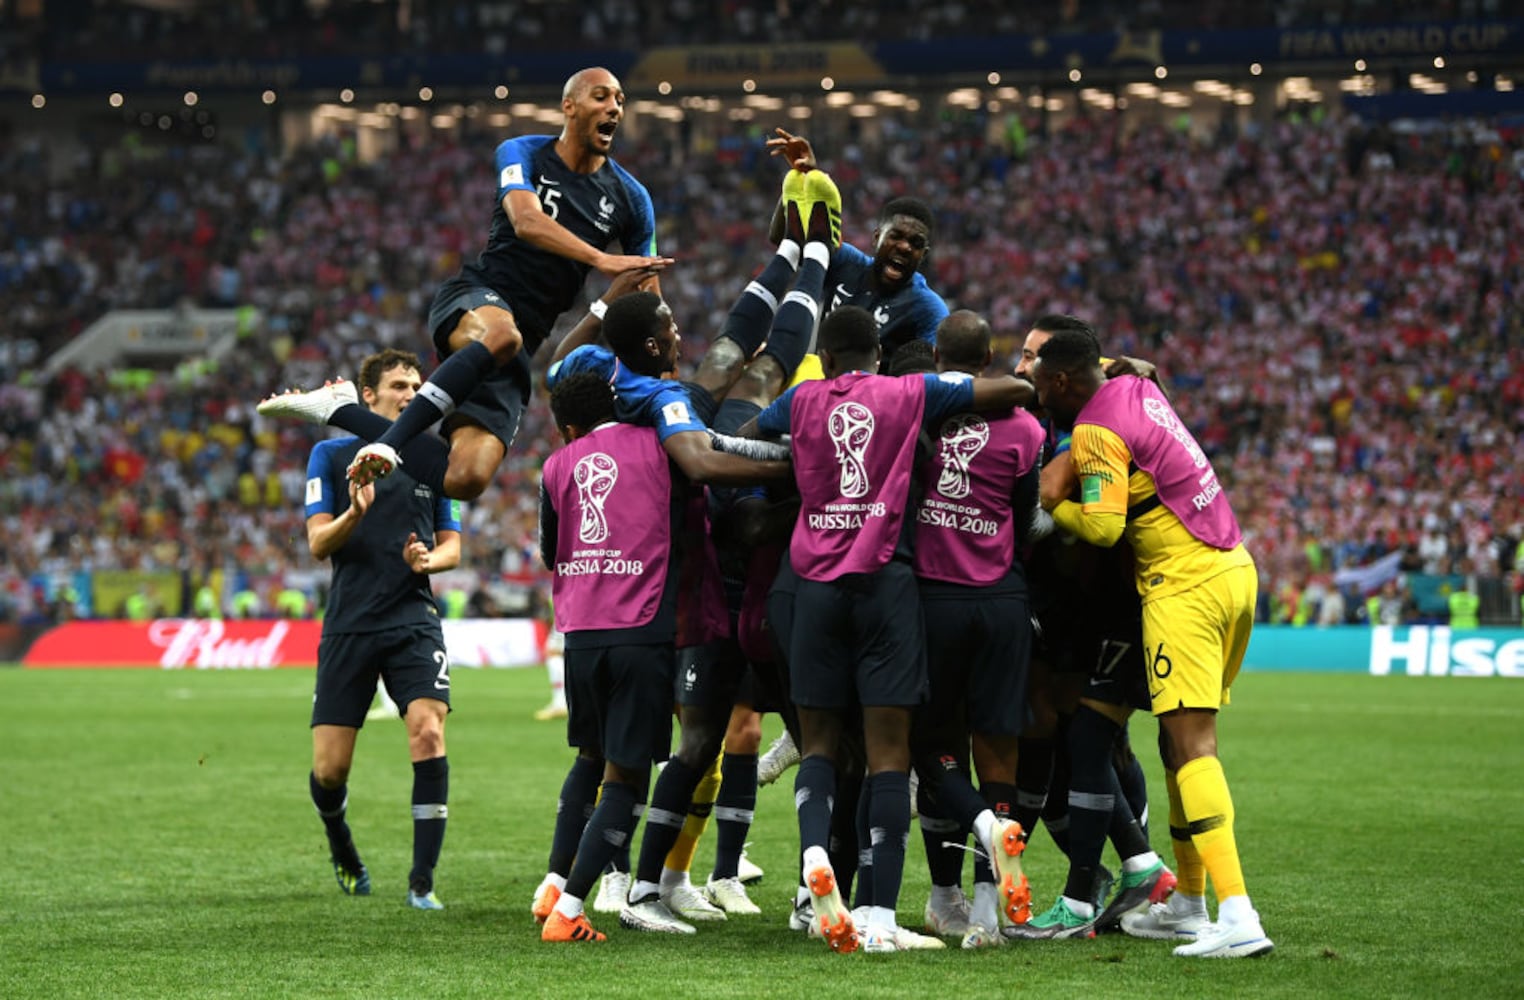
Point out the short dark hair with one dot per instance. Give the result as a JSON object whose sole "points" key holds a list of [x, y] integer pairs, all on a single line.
{"points": [[1070, 351], [912, 357], [630, 320], [378, 364], [849, 331], [584, 401], [963, 339], [1060, 322], [915, 208]]}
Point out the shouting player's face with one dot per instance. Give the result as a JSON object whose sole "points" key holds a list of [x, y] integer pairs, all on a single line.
{"points": [[594, 110], [898, 250]]}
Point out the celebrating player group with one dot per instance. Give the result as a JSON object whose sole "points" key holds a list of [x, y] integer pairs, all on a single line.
{"points": [[954, 586]]}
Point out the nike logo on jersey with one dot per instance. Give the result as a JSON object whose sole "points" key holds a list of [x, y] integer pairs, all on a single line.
{"points": [[841, 296]]}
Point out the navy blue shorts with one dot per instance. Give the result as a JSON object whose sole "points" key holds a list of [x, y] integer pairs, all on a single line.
{"points": [[619, 703], [709, 675], [410, 660], [978, 654], [764, 687], [498, 402], [1118, 671], [858, 640], [780, 608], [731, 414]]}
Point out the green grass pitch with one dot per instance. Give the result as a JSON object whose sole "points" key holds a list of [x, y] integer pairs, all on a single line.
{"points": [[156, 839]]}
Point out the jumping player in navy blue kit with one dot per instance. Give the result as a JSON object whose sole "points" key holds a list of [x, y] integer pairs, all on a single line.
{"points": [[382, 622], [560, 201]]}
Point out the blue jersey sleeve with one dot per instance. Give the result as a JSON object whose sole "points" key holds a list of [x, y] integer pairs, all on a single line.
{"points": [[513, 161], [587, 358], [775, 420], [928, 313], [947, 394], [669, 409], [446, 514], [639, 236], [326, 481]]}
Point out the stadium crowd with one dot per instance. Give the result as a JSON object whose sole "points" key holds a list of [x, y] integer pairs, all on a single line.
{"points": [[1339, 308]]}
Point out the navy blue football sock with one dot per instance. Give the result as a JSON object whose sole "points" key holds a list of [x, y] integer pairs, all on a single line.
{"points": [[842, 845], [733, 812], [1034, 772], [573, 809], [862, 833], [889, 821], [794, 327], [431, 795], [814, 795], [451, 384], [750, 317], [665, 815], [1092, 798], [945, 864], [331, 805], [426, 457], [367, 425], [1130, 777], [606, 834]]}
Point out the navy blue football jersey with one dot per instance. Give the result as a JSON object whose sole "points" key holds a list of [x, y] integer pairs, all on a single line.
{"points": [[373, 586], [602, 208], [912, 312]]}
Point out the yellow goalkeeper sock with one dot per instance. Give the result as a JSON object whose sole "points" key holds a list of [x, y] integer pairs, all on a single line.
{"points": [[1188, 867], [1209, 816], [680, 858]]}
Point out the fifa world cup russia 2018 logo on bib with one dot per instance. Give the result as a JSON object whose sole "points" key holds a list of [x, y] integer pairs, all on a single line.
{"points": [[850, 426], [594, 475], [963, 437], [1159, 412]]}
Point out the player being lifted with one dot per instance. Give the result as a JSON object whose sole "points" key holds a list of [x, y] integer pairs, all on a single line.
{"points": [[560, 200]]}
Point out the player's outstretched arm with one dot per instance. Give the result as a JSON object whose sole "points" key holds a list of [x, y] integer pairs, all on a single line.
{"points": [[694, 454], [1125, 365], [1004, 392], [795, 149], [531, 224], [636, 279], [797, 152]]}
